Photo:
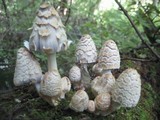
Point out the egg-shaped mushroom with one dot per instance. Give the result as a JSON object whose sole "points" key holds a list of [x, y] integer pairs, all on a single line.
{"points": [[51, 86], [127, 88], [79, 101], [75, 76], [102, 84], [27, 68], [91, 106]]}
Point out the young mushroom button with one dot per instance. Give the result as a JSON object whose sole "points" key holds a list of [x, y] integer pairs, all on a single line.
{"points": [[79, 101], [27, 68], [86, 53]]}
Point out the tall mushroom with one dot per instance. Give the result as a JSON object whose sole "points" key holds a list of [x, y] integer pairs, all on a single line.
{"points": [[48, 35], [86, 53], [108, 60], [126, 91], [27, 68]]}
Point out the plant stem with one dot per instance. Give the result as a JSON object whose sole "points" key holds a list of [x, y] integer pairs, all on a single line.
{"points": [[52, 62]]}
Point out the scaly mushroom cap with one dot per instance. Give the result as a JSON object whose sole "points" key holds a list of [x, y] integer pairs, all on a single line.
{"points": [[66, 86], [79, 101], [86, 50], [102, 101], [91, 106], [51, 84], [27, 68], [102, 84], [75, 74], [109, 57], [48, 32], [127, 88]]}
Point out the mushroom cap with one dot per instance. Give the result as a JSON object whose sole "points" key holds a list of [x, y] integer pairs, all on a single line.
{"points": [[79, 101], [109, 57], [51, 84], [75, 74], [48, 32], [66, 86], [102, 101], [102, 84], [86, 50], [127, 88], [27, 68], [91, 106]]}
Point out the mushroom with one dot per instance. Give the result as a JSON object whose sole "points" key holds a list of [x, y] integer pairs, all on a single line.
{"points": [[48, 34], [127, 90], [79, 101], [66, 86], [91, 106], [75, 76], [27, 68], [51, 86], [108, 59], [86, 53], [102, 102], [102, 84]]}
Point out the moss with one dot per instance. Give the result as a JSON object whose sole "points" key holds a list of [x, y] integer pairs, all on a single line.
{"points": [[36, 108]]}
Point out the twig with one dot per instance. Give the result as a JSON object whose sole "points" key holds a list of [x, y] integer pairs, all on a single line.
{"points": [[138, 59], [137, 31], [69, 13]]}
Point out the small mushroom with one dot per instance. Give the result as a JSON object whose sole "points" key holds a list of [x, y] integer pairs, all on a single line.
{"points": [[75, 76], [102, 102], [66, 86], [79, 101], [51, 86], [27, 68], [86, 53], [48, 34], [91, 106], [127, 90], [102, 84]]}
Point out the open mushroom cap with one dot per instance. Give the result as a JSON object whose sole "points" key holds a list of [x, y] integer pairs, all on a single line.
{"points": [[102, 101], [86, 50], [48, 32], [109, 57], [127, 88], [51, 84], [79, 101], [27, 68]]}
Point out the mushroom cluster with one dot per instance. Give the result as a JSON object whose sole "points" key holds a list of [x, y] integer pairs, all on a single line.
{"points": [[48, 36], [109, 94]]}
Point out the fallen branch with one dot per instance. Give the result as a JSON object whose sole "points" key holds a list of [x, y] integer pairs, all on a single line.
{"points": [[137, 31]]}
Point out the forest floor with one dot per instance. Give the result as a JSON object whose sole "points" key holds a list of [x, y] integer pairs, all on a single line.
{"points": [[24, 103]]}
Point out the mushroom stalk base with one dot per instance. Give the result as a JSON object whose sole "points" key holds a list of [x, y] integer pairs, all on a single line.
{"points": [[52, 62]]}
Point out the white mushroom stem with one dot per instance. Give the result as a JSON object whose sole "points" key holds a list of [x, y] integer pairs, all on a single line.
{"points": [[85, 77], [106, 72], [52, 62]]}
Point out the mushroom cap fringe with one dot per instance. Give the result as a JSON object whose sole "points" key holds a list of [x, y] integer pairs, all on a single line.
{"points": [[48, 32], [86, 50], [27, 68], [127, 88]]}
